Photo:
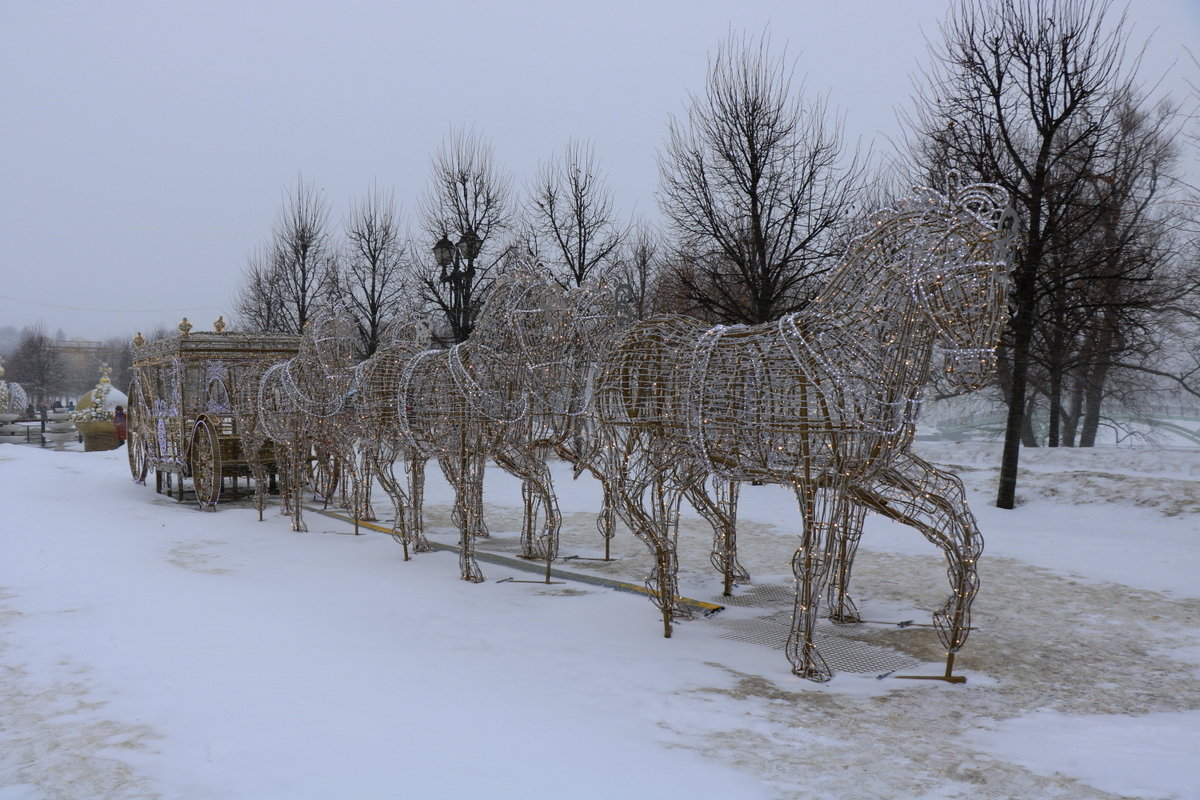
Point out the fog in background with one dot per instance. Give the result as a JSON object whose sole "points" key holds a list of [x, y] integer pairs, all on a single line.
{"points": [[146, 145]]}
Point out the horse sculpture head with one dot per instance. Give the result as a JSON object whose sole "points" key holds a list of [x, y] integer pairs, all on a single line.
{"points": [[954, 260], [327, 345], [599, 310], [320, 378], [519, 337]]}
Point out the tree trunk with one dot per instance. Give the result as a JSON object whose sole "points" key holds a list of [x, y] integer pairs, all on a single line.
{"points": [[1055, 410], [1024, 296], [1093, 397], [1028, 437], [1073, 414], [1056, 386]]}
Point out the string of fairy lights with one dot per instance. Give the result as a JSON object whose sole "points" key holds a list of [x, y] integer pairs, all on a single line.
{"points": [[823, 400]]}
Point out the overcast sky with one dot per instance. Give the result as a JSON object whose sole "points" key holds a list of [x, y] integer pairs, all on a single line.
{"points": [[145, 145]]}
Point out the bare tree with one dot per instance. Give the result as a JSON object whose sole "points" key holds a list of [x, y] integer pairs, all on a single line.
{"points": [[371, 277], [118, 356], [1111, 276], [570, 207], [1107, 269], [287, 279], [9, 337], [640, 266], [37, 364], [1022, 92], [464, 210], [755, 184], [259, 301]]}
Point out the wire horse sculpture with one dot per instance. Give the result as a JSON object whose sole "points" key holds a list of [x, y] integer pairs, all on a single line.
{"points": [[306, 405], [823, 400], [477, 400], [382, 430], [561, 419]]}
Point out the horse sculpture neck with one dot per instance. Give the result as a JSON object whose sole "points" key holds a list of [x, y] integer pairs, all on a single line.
{"points": [[925, 273]]}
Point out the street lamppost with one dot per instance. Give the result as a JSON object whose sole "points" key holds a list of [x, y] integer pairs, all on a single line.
{"points": [[457, 262]]}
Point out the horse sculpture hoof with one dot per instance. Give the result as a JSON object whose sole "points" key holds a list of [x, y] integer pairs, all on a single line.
{"points": [[813, 673]]}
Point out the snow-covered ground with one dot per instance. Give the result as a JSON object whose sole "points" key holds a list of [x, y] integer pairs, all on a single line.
{"points": [[150, 650]]}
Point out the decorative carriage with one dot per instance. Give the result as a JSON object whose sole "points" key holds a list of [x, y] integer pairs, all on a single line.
{"points": [[192, 413]]}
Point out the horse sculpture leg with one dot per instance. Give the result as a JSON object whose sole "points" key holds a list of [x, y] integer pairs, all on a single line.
{"points": [[403, 530], [721, 513], [353, 476], [283, 472], [252, 446], [918, 494], [293, 485], [532, 509], [387, 479], [473, 518], [261, 481], [415, 469], [465, 474], [606, 521], [821, 509], [476, 465], [650, 507], [537, 490], [298, 472], [846, 537], [362, 482], [663, 581], [459, 471]]}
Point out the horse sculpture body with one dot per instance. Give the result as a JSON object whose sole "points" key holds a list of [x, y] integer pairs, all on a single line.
{"points": [[480, 399], [824, 400], [382, 433], [561, 418]]}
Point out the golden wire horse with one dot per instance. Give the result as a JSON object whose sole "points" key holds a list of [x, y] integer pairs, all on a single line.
{"points": [[479, 400], [305, 404], [823, 400]]}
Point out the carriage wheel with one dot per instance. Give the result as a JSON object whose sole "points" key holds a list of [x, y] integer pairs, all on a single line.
{"points": [[206, 464], [139, 459], [136, 445]]}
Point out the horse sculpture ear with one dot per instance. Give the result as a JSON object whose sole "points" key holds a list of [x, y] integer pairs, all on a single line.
{"points": [[1007, 227], [953, 184], [623, 307], [420, 331]]}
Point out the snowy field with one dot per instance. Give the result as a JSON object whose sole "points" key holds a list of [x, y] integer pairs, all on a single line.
{"points": [[151, 651]]}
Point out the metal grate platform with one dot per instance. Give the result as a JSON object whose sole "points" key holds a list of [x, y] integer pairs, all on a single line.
{"points": [[760, 596], [836, 643]]}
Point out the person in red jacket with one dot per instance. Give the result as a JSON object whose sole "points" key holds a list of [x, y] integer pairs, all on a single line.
{"points": [[119, 424]]}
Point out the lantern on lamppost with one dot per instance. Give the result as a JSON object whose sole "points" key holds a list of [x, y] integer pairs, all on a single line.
{"points": [[457, 263]]}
